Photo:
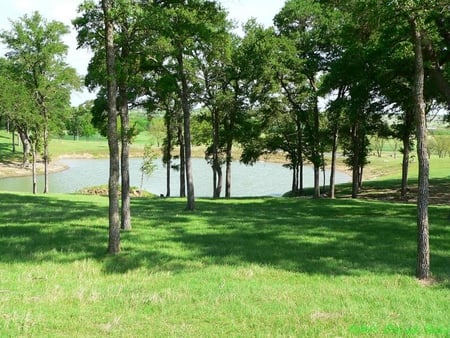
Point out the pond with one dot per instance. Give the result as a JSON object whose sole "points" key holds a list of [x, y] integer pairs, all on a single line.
{"points": [[261, 179]]}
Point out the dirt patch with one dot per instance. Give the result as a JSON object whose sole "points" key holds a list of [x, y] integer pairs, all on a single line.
{"points": [[102, 190], [439, 192]]}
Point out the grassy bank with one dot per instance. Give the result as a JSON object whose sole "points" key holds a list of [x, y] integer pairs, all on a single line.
{"points": [[236, 268]]}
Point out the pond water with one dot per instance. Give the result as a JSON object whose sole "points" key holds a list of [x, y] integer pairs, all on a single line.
{"points": [[261, 179]]}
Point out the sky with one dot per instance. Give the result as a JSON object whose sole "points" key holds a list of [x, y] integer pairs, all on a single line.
{"points": [[64, 11]]}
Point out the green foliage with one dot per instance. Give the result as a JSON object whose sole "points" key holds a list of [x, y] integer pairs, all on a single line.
{"points": [[80, 122], [37, 54], [148, 165], [246, 267], [17, 104], [439, 145], [37, 51]]}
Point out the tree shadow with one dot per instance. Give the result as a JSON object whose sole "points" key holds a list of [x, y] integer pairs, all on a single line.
{"points": [[326, 237], [27, 233], [390, 190], [339, 237]]}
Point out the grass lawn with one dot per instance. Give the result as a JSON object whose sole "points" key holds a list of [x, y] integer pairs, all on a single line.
{"points": [[235, 268]]}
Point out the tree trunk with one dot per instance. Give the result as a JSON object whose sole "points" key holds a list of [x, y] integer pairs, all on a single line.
{"points": [[168, 152], [168, 172], [229, 160], [46, 153], [125, 136], [219, 182], [405, 168], [182, 163], [355, 162], [423, 246], [360, 177], [355, 181], [33, 168], [406, 136], [187, 132], [295, 169], [316, 181], [125, 159], [113, 138], [26, 144], [300, 156], [316, 145], [333, 164], [13, 134], [217, 169]]}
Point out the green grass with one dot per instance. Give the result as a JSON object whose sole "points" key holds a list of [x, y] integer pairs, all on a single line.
{"points": [[234, 268]]}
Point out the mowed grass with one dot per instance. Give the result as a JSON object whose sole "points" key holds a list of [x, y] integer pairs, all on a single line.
{"points": [[234, 268]]}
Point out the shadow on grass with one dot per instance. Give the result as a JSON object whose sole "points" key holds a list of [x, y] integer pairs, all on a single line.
{"points": [[390, 191], [6, 154], [38, 228], [329, 237], [340, 237]]}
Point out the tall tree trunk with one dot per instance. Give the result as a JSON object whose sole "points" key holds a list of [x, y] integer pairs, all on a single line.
{"points": [[316, 145], [405, 168], [360, 178], [13, 135], [187, 132], [408, 125], [229, 160], [125, 158], [125, 136], [168, 153], [295, 169], [182, 162], [113, 138], [423, 245], [355, 181], [316, 181], [217, 169], [168, 172], [299, 154], [46, 153], [33, 168], [333, 163], [26, 144], [355, 162], [219, 181]]}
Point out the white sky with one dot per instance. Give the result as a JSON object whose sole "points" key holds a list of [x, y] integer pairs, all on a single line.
{"points": [[66, 10]]}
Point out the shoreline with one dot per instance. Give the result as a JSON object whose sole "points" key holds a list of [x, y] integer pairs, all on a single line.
{"points": [[15, 169]]}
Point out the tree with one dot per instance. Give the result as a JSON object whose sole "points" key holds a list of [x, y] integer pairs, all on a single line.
{"points": [[19, 107], [212, 62], [79, 122], [37, 52], [305, 24], [148, 166], [162, 97], [113, 138], [127, 16], [187, 26], [249, 95], [423, 246]]}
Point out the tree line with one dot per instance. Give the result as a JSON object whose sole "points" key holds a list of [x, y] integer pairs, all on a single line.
{"points": [[326, 76]]}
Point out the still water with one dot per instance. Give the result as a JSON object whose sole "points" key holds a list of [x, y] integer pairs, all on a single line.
{"points": [[261, 179]]}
